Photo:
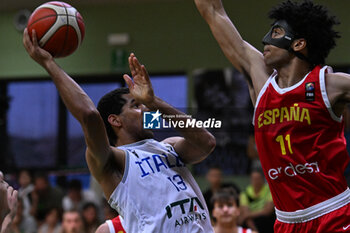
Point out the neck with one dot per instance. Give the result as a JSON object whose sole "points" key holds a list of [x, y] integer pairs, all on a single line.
{"points": [[292, 73], [226, 228], [124, 139]]}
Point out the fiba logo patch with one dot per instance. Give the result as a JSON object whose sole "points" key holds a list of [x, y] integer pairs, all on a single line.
{"points": [[151, 120], [310, 91]]}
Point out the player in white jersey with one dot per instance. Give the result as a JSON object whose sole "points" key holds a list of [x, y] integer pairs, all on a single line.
{"points": [[145, 180], [114, 225]]}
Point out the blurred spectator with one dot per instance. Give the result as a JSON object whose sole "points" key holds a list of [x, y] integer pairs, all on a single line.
{"points": [[114, 225], [72, 222], [44, 197], [25, 190], [8, 205], [21, 223], [226, 211], [52, 222], [90, 217], [76, 197], [214, 178], [252, 152], [257, 209]]}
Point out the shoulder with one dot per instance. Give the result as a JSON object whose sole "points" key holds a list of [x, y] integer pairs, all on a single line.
{"points": [[337, 84], [172, 140], [336, 79], [103, 228]]}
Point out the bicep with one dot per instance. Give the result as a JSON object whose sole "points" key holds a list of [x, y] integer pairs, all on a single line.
{"points": [[243, 56], [230, 41], [338, 91], [96, 139]]}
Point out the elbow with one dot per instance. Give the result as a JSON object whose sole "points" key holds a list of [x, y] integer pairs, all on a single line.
{"points": [[89, 116], [211, 143]]}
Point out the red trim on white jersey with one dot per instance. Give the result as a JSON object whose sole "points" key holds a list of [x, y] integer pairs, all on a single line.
{"points": [[244, 230], [115, 225]]}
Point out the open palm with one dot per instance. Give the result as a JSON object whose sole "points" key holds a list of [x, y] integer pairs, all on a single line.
{"points": [[140, 86]]}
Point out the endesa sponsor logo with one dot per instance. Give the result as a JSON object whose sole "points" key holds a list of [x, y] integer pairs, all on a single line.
{"points": [[293, 170]]}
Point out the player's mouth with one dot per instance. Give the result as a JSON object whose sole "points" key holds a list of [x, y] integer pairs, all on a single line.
{"points": [[265, 52]]}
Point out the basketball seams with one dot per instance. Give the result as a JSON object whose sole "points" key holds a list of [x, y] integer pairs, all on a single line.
{"points": [[64, 20], [66, 36]]}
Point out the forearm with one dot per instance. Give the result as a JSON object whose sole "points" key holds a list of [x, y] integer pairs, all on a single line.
{"points": [[208, 8], [73, 96], [6, 224]]}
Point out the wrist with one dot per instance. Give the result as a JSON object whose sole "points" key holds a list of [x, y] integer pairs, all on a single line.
{"points": [[48, 63], [152, 103]]}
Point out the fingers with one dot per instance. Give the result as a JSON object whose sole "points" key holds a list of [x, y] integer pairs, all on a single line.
{"points": [[30, 42], [128, 81], [131, 65], [145, 73], [26, 39], [9, 191], [15, 194], [34, 38]]}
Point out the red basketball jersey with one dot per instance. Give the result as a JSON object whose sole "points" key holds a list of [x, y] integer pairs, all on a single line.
{"points": [[300, 142]]}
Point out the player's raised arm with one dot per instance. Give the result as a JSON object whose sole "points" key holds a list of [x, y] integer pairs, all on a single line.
{"points": [[244, 57], [197, 143], [78, 103]]}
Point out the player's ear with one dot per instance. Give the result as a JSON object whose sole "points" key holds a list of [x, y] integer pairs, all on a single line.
{"points": [[114, 120], [299, 44]]}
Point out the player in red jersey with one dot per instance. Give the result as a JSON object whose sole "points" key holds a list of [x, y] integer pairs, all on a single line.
{"points": [[112, 226], [298, 112]]}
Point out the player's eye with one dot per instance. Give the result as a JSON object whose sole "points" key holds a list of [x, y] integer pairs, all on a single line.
{"points": [[275, 32]]}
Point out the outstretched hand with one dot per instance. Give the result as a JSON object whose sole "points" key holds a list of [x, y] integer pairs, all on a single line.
{"points": [[33, 49], [140, 86]]}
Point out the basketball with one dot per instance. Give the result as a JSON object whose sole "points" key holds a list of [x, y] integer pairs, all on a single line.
{"points": [[59, 28]]}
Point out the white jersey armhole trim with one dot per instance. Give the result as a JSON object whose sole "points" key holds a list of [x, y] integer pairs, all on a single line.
{"points": [[125, 175], [324, 93], [262, 91], [126, 169], [110, 226]]}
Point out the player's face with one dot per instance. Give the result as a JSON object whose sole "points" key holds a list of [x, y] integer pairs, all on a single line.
{"points": [[226, 211], [131, 117], [274, 56]]}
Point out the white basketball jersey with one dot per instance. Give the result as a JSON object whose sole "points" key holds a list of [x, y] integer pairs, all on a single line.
{"points": [[158, 193]]}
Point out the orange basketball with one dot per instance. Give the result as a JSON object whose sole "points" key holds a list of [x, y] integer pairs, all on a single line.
{"points": [[59, 28]]}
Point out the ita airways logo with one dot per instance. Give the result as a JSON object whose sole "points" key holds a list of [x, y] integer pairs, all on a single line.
{"points": [[151, 120]]}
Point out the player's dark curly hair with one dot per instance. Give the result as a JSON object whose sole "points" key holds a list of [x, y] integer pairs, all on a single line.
{"points": [[112, 103], [311, 22]]}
